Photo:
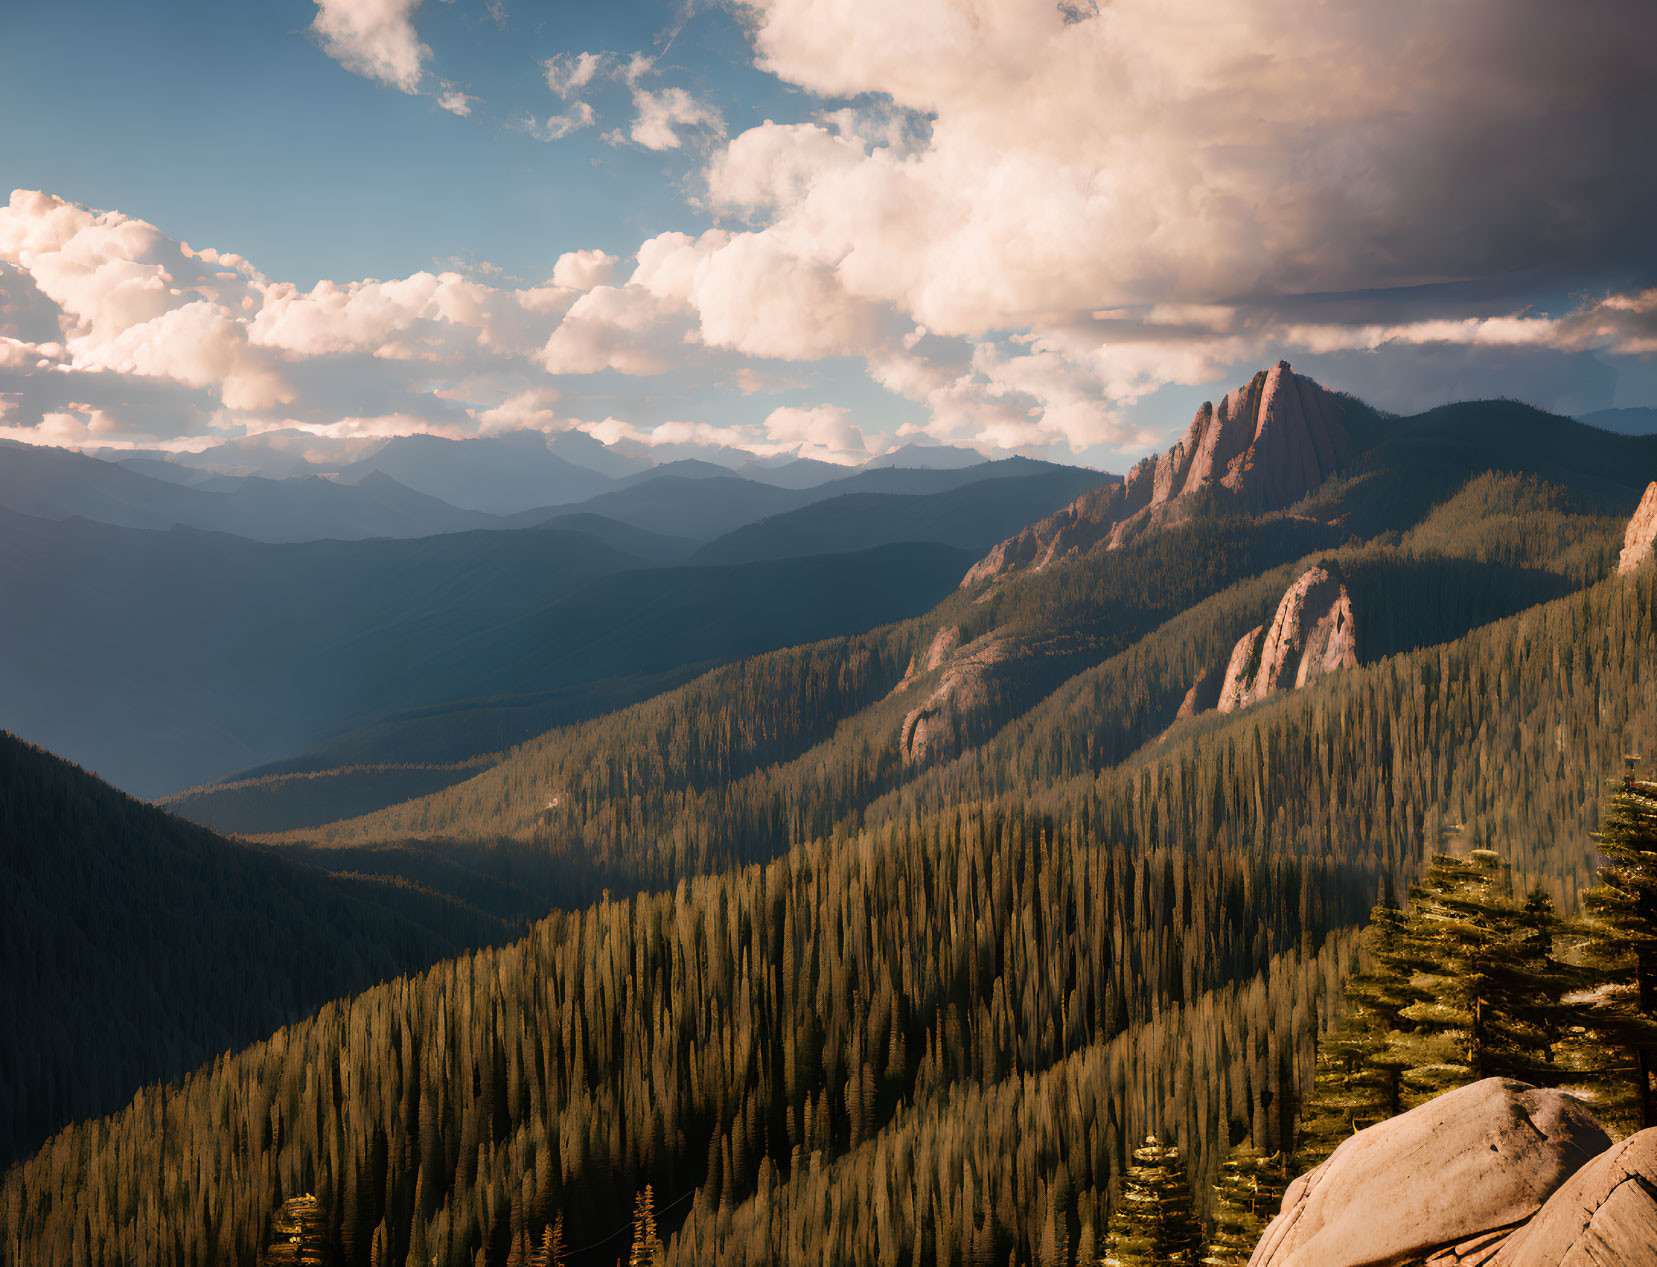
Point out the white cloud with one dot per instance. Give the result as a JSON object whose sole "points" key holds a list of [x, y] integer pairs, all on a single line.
{"points": [[455, 101], [664, 113], [558, 126], [825, 432], [568, 73], [626, 329], [374, 39], [582, 270]]}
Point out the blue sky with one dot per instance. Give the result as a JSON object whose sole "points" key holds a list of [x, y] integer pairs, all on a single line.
{"points": [[814, 227]]}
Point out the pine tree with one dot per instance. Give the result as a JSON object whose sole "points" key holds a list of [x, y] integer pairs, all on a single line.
{"points": [[1154, 1223], [1247, 1195], [647, 1245], [1617, 945]]}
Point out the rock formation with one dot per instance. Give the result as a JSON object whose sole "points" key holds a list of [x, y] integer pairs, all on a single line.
{"points": [[1444, 1183], [1204, 693], [1605, 1213], [967, 687], [1311, 634], [1642, 531], [1270, 442]]}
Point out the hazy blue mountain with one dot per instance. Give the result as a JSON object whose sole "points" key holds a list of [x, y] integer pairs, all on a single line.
{"points": [[973, 517], [58, 484], [1638, 420], [795, 473], [682, 468], [496, 474], [165, 658], [595, 455], [161, 469], [653, 547], [940, 457], [697, 506]]}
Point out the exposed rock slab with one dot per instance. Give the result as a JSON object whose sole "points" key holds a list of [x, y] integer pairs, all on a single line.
{"points": [[1605, 1213], [1270, 442], [1312, 633], [1452, 1173], [1641, 532], [966, 688]]}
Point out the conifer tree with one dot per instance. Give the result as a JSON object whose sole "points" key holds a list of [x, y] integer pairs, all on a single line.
{"points": [[647, 1244], [1617, 944], [1153, 1223], [1247, 1195]]}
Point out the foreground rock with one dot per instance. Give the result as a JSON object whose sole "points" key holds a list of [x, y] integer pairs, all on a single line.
{"points": [[1641, 532], [1269, 442], [1445, 1182], [1605, 1213]]}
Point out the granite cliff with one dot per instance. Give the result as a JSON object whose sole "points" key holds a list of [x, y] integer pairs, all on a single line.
{"points": [[1269, 443]]}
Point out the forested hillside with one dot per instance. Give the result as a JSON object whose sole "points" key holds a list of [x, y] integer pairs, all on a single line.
{"points": [[831, 993], [137, 946]]}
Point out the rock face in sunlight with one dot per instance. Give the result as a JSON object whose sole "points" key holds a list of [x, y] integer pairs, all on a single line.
{"points": [[1270, 442], [1444, 1183], [966, 687], [1312, 633], [1605, 1213], [1642, 531]]}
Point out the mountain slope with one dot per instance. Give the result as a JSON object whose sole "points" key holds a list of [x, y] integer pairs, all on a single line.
{"points": [[1065, 966], [972, 518], [165, 658], [137, 945], [499, 475]]}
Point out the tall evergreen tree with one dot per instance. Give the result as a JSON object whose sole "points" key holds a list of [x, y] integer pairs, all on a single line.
{"points": [[1247, 1195], [1154, 1223], [1617, 944]]}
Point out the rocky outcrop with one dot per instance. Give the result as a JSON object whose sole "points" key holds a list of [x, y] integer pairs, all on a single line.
{"points": [[1641, 532], [1445, 1183], [1605, 1213], [1270, 442], [966, 688], [1204, 693], [1312, 633], [943, 642]]}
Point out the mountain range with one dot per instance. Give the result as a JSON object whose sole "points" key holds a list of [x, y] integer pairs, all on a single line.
{"points": [[900, 861]]}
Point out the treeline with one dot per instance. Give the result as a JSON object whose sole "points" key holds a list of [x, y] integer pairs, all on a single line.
{"points": [[714, 1038], [1509, 730], [135, 946]]}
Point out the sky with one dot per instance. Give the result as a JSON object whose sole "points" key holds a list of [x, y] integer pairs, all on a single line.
{"points": [[813, 227]]}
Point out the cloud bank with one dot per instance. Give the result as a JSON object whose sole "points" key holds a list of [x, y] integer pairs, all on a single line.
{"points": [[1018, 219]]}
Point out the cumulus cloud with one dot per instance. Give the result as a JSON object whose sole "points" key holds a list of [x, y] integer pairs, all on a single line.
{"points": [[374, 39], [825, 432], [582, 270]]}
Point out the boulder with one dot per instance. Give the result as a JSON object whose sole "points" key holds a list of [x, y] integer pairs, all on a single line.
{"points": [[1641, 532], [1270, 442], [1446, 1177], [1605, 1213], [1312, 633]]}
